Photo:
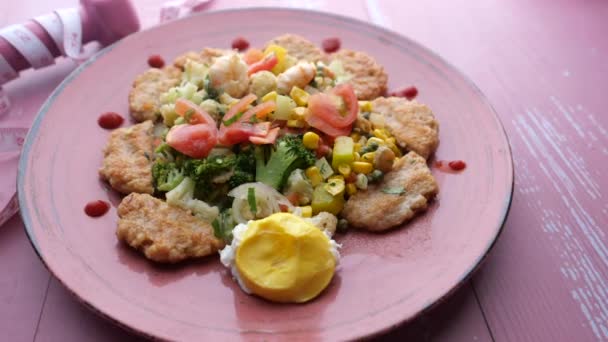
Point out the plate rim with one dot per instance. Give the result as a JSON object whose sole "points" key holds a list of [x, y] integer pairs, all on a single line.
{"points": [[468, 273]]}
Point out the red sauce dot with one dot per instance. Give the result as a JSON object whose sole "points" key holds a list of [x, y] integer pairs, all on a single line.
{"points": [[409, 92], [96, 208], [331, 44], [156, 61], [439, 163], [457, 165], [240, 43], [110, 120]]}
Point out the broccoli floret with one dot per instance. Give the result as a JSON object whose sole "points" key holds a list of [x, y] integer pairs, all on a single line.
{"points": [[166, 175], [244, 168], [287, 155], [204, 170]]}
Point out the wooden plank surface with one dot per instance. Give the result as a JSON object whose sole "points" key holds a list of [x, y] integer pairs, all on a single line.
{"points": [[543, 66], [23, 284]]}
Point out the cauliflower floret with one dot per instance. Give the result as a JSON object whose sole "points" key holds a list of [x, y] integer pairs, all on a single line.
{"points": [[324, 221], [214, 108], [262, 83], [183, 196]]}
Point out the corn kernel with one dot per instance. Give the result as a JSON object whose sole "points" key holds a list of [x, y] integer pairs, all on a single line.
{"points": [[368, 157], [314, 175], [272, 96], [375, 140], [357, 156], [357, 147], [355, 136], [380, 133], [351, 189], [395, 149], [335, 186], [311, 140], [299, 112], [390, 140], [344, 169], [306, 211], [299, 95], [365, 106], [363, 167], [296, 123]]}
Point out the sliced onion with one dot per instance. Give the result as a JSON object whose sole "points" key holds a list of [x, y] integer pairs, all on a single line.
{"points": [[268, 201]]}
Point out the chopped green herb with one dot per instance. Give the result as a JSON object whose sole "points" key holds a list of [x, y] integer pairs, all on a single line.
{"points": [[217, 231], [342, 225], [394, 191], [251, 201], [232, 119], [212, 93], [188, 114]]}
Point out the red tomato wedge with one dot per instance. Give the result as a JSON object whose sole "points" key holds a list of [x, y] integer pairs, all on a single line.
{"points": [[239, 107], [265, 64], [326, 128], [323, 107], [252, 56], [193, 113], [260, 111], [270, 138], [240, 132], [195, 141]]}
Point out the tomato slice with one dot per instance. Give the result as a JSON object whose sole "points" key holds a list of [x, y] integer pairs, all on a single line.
{"points": [[239, 107], [270, 138], [193, 113], [253, 55], [240, 132], [323, 126], [267, 63], [260, 111], [195, 141], [324, 107]]}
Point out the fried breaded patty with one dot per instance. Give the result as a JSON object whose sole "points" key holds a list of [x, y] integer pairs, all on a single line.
{"points": [[298, 47], [127, 163], [144, 97], [207, 56], [164, 233], [403, 192], [368, 77], [411, 123]]}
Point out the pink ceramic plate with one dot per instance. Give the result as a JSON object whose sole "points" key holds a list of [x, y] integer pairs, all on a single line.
{"points": [[383, 280]]}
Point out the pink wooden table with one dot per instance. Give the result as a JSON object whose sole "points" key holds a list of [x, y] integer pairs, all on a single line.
{"points": [[544, 66]]}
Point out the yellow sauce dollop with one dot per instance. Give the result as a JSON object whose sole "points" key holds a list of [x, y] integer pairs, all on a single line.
{"points": [[285, 259]]}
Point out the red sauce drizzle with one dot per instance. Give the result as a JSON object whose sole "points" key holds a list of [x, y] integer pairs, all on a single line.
{"points": [[457, 165], [156, 61], [408, 92], [110, 120], [240, 43], [453, 166], [96, 208], [331, 44]]}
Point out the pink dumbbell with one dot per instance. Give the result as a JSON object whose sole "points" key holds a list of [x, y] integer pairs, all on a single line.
{"points": [[39, 41]]}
